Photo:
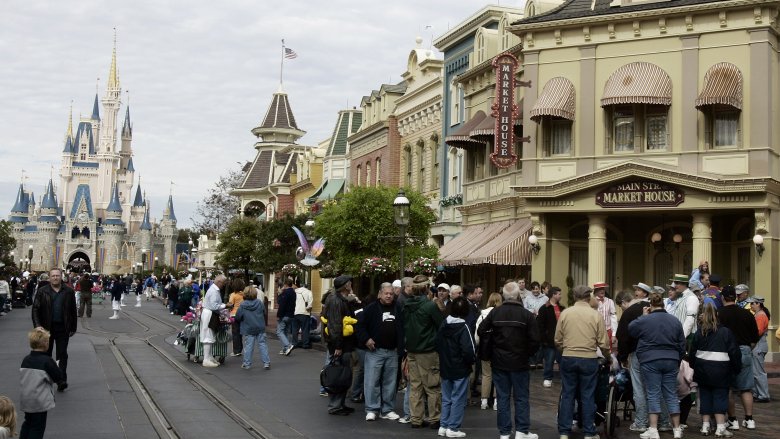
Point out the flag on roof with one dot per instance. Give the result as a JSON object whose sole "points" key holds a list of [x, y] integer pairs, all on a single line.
{"points": [[289, 53]]}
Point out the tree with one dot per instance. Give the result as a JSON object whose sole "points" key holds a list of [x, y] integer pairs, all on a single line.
{"points": [[360, 224], [7, 242], [278, 242], [218, 208], [238, 245]]}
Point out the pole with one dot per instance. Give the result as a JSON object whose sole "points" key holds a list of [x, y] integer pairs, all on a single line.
{"points": [[403, 243], [281, 65]]}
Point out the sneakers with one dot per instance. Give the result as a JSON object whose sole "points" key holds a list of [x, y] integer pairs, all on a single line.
{"points": [[650, 433], [484, 404], [677, 433], [288, 350], [595, 436], [705, 429], [323, 392], [750, 424], [529, 435], [453, 433], [370, 416], [547, 383], [282, 351], [733, 424], [404, 420], [62, 386], [234, 354], [267, 366], [665, 427], [245, 366], [495, 406], [637, 428], [442, 431], [390, 416], [723, 432], [210, 363]]}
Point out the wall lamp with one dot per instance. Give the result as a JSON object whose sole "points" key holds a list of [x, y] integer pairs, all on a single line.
{"points": [[758, 240], [534, 241]]}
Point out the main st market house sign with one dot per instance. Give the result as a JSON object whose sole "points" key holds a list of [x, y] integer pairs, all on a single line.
{"points": [[640, 193]]}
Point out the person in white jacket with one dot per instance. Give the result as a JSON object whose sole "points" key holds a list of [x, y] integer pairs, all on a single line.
{"points": [[212, 303], [302, 317]]}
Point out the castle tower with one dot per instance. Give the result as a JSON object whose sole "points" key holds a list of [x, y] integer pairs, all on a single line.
{"points": [[145, 239], [113, 231], [68, 152], [168, 233], [136, 211], [20, 216], [107, 155], [48, 228]]}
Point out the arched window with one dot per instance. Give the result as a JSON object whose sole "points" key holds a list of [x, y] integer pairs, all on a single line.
{"points": [[358, 176], [378, 170], [435, 162], [368, 173], [408, 160], [421, 165]]}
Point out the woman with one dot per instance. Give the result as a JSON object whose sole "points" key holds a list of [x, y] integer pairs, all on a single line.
{"points": [[117, 288], [173, 297], [487, 374], [185, 296], [761, 386], [660, 347], [234, 301], [715, 358]]}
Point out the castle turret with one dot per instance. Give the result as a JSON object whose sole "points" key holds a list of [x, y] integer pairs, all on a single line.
{"points": [[113, 231], [145, 238], [48, 225], [168, 233], [20, 213]]}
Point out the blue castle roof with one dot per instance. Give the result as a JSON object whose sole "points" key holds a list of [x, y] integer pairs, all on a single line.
{"points": [[114, 205], [146, 225], [96, 109], [22, 203], [139, 199], [49, 200], [171, 214]]}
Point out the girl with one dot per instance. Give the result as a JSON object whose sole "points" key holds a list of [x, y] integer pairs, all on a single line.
{"points": [[7, 418], [249, 317], [487, 374], [761, 387]]}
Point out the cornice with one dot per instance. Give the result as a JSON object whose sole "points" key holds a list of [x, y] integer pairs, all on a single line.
{"points": [[518, 29], [491, 205], [433, 84], [368, 131], [615, 173], [422, 106], [487, 66], [464, 28], [301, 186]]}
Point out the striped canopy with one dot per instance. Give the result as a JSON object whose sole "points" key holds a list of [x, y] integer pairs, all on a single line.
{"points": [[638, 83], [558, 99], [722, 86]]}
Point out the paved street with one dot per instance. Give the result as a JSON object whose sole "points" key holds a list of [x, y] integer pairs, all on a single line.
{"points": [[160, 400]]}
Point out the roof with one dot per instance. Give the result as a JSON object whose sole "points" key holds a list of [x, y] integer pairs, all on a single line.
{"points": [[86, 165], [590, 8], [22, 203], [169, 209], [96, 109], [139, 199], [259, 173], [49, 200], [146, 225], [349, 121], [130, 166], [82, 194], [68, 145], [127, 127], [279, 114], [114, 205], [84, 129], [48, 219]]}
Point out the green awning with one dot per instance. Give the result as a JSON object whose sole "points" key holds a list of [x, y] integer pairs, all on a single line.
{"points": [[331, 189], [313, 198]]}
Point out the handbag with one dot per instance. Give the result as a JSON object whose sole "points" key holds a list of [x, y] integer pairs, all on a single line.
{"points": [[485, 348], [336, 377]]}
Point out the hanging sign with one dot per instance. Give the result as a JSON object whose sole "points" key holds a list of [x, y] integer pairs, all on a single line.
{"points": [[640, 193], [504, 110]]}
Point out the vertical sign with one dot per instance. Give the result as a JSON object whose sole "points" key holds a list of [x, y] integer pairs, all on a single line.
{"points": [[504, 111]]}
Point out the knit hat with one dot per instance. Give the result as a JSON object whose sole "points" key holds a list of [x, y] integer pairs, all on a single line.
{"points": [[341, 281]]}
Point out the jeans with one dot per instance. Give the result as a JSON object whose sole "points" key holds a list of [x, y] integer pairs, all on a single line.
{"points": [[235, 330], [760, 383], [34, 425], [454, 394], [660, 377], [358, 376], [582, 374], [249, 346], [173, 305], [301, 322], [550, 355], [282, 330], [380, 375], [513, 383], [638, 386]]}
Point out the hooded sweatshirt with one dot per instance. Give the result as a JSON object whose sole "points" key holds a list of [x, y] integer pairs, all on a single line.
{"points": [[455, 345], [250, 317], [422, 319]]}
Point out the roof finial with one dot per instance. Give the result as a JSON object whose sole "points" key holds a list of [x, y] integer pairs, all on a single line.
{"points": [[113, 79], [170, 191], [70, 121]]}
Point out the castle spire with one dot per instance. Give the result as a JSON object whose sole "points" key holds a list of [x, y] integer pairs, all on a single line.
{"points": [[69, 134], [169, 209], [114, 205], [146, 224], [49, 201], [127, 127], [96, 109], [139, 199], [22, 202], [113, 78]]}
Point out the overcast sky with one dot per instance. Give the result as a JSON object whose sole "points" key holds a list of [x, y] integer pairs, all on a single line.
{"points": [[200, 76]]}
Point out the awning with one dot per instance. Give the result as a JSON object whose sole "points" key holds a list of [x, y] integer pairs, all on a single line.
{"points": [[499, 243], [331, 189], [486, 129], [722, 86], [558, 99], [460, 138], [313, 198], [638, 83]]}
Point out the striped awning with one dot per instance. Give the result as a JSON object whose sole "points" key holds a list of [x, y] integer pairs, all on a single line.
{"points": [[486, 130], [638, 83], [722, 86], [461, 138], [558, 99], [498, 243]]}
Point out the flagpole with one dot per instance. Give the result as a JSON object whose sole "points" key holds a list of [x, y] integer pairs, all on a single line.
{"points": [[281, 67]]}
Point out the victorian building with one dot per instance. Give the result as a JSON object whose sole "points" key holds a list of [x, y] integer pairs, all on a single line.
{"points": [[90, 220]]}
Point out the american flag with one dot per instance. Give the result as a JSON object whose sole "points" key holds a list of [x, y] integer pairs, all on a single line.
{"points": [[289, 53]]}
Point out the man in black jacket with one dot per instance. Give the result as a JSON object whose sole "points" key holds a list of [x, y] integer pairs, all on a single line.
{"points": [[340, 338], [547, 318], [54, 309]]}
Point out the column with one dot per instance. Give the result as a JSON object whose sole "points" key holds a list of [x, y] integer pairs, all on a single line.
{"points": [[597, 248], [766, 282], [702, 238]]}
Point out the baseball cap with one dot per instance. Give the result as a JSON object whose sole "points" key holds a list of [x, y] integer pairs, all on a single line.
{"points": [[397, 283], [443, 286]]}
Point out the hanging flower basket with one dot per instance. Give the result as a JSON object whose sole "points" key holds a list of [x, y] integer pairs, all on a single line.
{"points": [[292, 270], [374, 266], [328, 271], [425, 266]]}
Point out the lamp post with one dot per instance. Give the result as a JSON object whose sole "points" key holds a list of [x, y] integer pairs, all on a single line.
{"points": [[401, 216], [155, 262], [309, 233], [189, 256]]}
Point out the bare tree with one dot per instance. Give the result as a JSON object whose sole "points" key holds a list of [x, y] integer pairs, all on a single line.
{"points": [[218, 207]]}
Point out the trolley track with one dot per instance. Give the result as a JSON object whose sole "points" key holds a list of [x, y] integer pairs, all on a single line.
{"points": [[163, 422]]}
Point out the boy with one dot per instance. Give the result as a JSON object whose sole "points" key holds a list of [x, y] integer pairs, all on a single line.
{"points": [[39, 373]]}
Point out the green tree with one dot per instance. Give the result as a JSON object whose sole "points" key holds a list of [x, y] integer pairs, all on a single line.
{"points": [[278, 242], [238, 245], [360, 224], [7, 242]]}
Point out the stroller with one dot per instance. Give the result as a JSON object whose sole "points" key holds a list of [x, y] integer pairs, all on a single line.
{"points": [[617, 397]]}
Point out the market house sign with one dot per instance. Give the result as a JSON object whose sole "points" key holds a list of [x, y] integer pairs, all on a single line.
{"points": [[504, 110], [640, 193]]}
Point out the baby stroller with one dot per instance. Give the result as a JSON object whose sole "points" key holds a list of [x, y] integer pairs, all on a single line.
{"points": [[618, 401]]}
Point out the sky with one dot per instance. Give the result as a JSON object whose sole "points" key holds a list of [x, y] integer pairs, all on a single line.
{"points": [[199, 76]]}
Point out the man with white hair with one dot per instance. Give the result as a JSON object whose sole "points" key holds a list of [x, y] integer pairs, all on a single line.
{"points": [[212, 303]]}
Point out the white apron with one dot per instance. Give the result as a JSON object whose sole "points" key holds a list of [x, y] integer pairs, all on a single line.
{"points": [[206, 333]]}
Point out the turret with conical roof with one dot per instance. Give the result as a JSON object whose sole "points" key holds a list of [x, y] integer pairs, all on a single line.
{"points": [[278, 126], [169, 213], [49, 206], [21, 210], [146, 224], [96, 109]]}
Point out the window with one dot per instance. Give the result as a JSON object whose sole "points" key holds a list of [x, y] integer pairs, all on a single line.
{"points": [[725, 127], [435, 161], [475, 164], [368, 174], [378, 171], [638, 127], [421, 165], [556, 132], [453, 164], [358, 176], [455, 95], [408, 158]]}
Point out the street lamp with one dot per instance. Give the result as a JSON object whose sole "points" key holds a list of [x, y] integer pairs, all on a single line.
{"points": [[189, 257], [155, 262], [401, 216]]}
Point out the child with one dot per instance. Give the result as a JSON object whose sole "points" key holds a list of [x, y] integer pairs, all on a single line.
{"points": [[455, 346], [251, 322], [685, 387], [39, 372], [7, 418]]}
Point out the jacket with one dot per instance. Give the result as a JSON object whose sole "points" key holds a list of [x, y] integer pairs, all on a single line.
{"points": [[41, 308], [117, 289], [335, 309], [286, 304], [250, 317], [422, 319], [38, 374], [715, 358], [455, 345], [547, 323], [581, 332], [515, 336], [659, 337], [370, 321], [626, 343]]}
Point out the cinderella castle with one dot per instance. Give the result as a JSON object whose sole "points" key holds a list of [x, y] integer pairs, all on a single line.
{"points": [[90, 221]]}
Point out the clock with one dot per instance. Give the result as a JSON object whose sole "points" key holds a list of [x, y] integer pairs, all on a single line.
{"points": [[83, 216]]}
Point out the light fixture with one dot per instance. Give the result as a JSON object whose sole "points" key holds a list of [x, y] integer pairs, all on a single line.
{"points": [[401, 216], [309, 223], [758, 240], [656, 237], [677, 238], [534, 241]]}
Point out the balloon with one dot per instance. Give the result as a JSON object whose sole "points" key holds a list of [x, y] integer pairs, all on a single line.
{"points": [[299, 253]]}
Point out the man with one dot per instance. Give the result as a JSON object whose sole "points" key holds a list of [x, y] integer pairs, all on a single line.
{"points": [[212, 303], [627, 354], [686, 304], [712, 293], [340, 344], [54, 309], [304, 299], [421, 319], [379, 329], [580, 332], [406, 290], [743, 325], [523, 292], [606, 309], [743, 292], [514, 335], [534, 301], [285, 315], [397, 287], [443, 296], [547, 318], [85, 295], [406, 293], [474, 297]]}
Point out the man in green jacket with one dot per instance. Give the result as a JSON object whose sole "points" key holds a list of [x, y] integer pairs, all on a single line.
{"points": [[422, 319]]}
